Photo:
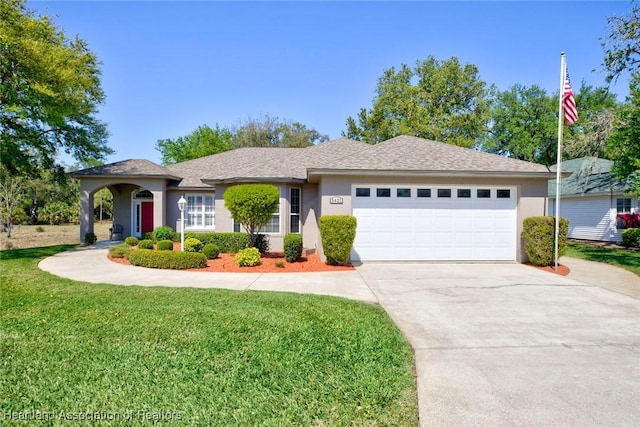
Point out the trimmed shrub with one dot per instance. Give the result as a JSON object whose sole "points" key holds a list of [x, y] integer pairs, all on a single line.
{"points": [[631, 237], [538, 236], [227, 242], [211, 251], [131, 241], [162, 233], [337, 233], [248, 257], [90, 238], [167, 259], [252, 206], [292, 247], [192, 245], [164, 245], [120, 251], [145, 244]]}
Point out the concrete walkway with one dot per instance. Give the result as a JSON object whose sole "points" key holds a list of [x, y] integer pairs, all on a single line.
{"points": [[495, 344]]}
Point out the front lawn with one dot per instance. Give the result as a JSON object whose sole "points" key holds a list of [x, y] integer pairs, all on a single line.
{"points": [[624, 258], [209, 357]]}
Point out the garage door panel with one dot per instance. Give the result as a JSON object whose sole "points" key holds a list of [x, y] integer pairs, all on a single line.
{"points": [[435, 228]]}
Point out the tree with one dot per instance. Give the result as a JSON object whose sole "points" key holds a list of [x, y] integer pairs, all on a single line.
{"points": [[203, 141], [623, 146], [11, 197], [274, 132], [49, 93], [524, 125], [253, 206], [622, 45], [439, 100]]}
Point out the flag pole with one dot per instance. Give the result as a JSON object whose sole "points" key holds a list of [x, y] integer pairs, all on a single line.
{"points": [[563, 73]]}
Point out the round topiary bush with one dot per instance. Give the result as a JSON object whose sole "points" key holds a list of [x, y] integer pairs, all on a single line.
{"points": [[248, 257], [192, 244], [211, 251], [131, 241], [145, 244], [164, 245]]}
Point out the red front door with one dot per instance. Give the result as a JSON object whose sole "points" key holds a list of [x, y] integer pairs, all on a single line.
{"points": [[147, 217]]}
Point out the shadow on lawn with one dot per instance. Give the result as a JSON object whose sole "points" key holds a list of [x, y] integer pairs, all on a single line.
{"points": [[620, 257], [33, 253]]}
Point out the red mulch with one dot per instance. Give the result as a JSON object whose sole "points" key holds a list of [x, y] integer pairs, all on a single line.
{"points": [[225, 263], [563, 270]]}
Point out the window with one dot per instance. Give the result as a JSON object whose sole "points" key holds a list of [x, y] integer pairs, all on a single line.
{"points": [[464, 193], [483, 193], [274, 226], [444, 192], [623, 205], [503, 194], [403, 192], [363, 192], [383, 192], [294, 205], [424, 192], [200, 211]]}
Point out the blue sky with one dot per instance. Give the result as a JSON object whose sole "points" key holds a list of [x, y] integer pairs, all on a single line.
{"points": [[169, 67]]}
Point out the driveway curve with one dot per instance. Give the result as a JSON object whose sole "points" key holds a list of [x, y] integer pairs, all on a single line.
{"points": [[495, 344]]}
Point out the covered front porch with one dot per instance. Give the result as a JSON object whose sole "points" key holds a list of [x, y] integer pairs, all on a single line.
{"points": [[139, 190]]}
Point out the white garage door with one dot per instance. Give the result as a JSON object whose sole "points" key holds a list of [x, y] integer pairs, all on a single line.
{"points": [[434, 223]]}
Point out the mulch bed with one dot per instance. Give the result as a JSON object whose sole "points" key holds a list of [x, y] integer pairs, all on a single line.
{"points": [[225, 263], [563, 270]]}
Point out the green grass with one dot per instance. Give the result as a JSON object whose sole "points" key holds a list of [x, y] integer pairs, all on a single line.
{"points": [[214, 357], [629, 260]]}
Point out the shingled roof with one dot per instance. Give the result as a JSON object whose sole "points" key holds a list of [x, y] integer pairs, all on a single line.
{"points": [[139, 168], [404, 154], [412, 154], [589, 176]]}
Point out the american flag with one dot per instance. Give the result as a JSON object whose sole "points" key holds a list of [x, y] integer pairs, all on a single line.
{"points": [[569, 103]]}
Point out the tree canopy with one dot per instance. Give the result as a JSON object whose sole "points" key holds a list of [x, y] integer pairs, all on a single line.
{"points": [[49, 93], [622, 45], [275, 132], [439, 100], [265, 132], [203, 141]]}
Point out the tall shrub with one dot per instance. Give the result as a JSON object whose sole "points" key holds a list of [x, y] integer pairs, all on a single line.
{"points": [[631, 237], [292, 247], [337, 233], [538, 235], [253, 206]]}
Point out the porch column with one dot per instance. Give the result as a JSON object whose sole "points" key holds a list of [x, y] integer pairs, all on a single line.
{"points": [[159, 210], [86, 212]]}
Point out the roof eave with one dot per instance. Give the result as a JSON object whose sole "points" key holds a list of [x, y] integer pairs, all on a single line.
{"points": [[237, 180], [102, 176], [434, 173]]}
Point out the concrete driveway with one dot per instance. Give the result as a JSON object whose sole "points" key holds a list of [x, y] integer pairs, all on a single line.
{"points": [[509, 345]]}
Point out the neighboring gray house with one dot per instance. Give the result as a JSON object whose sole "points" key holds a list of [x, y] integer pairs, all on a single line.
{"points": [[591, 198], [414, 199]]}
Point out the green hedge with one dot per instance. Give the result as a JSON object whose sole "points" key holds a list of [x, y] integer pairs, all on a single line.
{"points": [[162, 233], [631, 237], [120, 251], [337, 233], [167, 259], [228, 242], [292, 247], [538, 235], [164, 245], [145, 244]]}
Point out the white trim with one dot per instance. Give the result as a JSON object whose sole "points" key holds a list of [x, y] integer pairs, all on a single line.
{"points": [[136, 211], [203, 213]]}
